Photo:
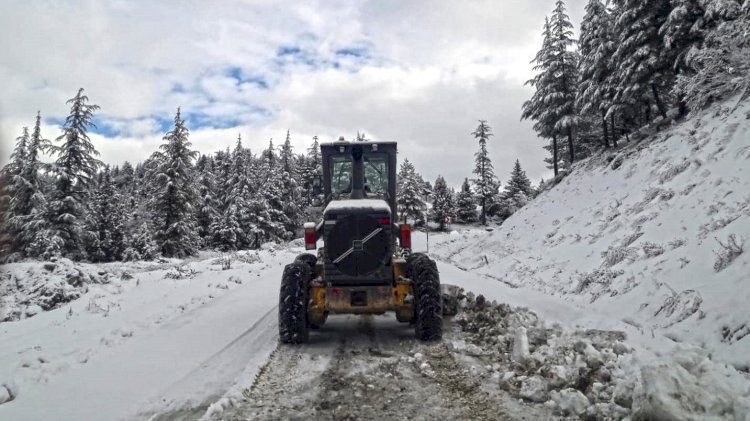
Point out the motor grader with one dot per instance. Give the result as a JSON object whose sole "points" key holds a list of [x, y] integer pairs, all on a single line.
{"points": [[365, 265]]}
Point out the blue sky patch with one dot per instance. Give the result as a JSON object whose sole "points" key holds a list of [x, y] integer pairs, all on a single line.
{"points": [[357, 52], [242, 77]]}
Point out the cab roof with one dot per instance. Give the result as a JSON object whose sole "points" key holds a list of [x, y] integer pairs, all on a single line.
{"points": [[354, 142]]}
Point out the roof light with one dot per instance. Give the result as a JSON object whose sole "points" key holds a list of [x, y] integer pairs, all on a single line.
{"points": [[374, 147]]}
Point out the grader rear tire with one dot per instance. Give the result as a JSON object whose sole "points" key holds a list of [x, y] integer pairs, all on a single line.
{"points": [[293, 297], [428, 305]]}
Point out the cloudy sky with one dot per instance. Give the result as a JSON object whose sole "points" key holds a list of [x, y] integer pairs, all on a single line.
{"points": [[418, 72]]}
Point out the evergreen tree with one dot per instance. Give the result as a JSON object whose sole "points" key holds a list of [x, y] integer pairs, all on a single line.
{"points": [[75, 170], [466, 208], [518, 190], [141, 245], [565, 67], [313, 169], [442, 202], [290, 191], [410, 190], [486, 183], [270, 210], [172, 206], [716, 52], [15, 196], [107, 241], [643, 65], [361, 137], [206, 212], [596, 47], [537, 108], [269, 155]]}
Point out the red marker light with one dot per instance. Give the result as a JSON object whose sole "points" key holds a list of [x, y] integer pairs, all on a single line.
{"points": [[405, 236], [384, 221], [310, 238]]}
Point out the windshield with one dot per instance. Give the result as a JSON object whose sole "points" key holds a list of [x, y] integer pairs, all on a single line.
{"points": [[376, 176]]}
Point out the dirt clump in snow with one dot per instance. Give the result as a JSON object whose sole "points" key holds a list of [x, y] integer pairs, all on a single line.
{"points": [[572, 373]]}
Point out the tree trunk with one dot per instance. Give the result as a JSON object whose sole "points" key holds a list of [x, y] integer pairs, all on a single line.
{"points": [[612, 126], [659, 104], [604, 128], [570, 146], [648, 112], [554, 153], [484, 213]]}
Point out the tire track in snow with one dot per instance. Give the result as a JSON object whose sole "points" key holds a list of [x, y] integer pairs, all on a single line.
{"points": [[362, 367]]}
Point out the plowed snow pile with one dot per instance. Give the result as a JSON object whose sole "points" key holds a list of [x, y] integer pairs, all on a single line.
{"points": [[652, 234]]}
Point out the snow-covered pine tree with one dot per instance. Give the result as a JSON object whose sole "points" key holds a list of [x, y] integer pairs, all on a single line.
{"points": [[125, 180], [486, 183], [518, 188], [717, 54], [75, 169], [14, 194], [141, 245], [313, 168], [269, 155], [596, 47], [466, 208], [442, 202], [224, 229], [105, 227], [174, 194], [223, 176], [269, 207], [409, 193], [537, 108], [643, 67], [565, 67], [290, 191], [361, 137], [206, 210]]}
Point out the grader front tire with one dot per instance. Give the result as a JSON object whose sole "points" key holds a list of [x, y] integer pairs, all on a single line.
{"points": [[428, 305], [293, 297]]}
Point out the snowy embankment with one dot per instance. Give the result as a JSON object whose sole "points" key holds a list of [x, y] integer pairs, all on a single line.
{"points": [[652, 235], [142, 337]]}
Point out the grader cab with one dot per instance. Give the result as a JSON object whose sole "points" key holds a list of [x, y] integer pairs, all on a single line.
{"points": [[365, 265]]}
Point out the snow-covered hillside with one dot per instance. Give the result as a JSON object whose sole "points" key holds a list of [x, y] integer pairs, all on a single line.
{"points": [[649, 234]]}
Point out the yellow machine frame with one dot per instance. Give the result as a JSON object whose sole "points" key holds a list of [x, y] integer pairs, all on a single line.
{"points": [[398, 297]]}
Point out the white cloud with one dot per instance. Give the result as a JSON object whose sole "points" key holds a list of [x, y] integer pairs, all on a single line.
{"points": [[419, 72]]}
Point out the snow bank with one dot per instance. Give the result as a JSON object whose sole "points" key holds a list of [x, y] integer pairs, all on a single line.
{"points": [[595, 373]]}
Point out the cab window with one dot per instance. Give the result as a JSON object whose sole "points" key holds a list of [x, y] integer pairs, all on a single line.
{"points": [[341, 175], [376, 175]]}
